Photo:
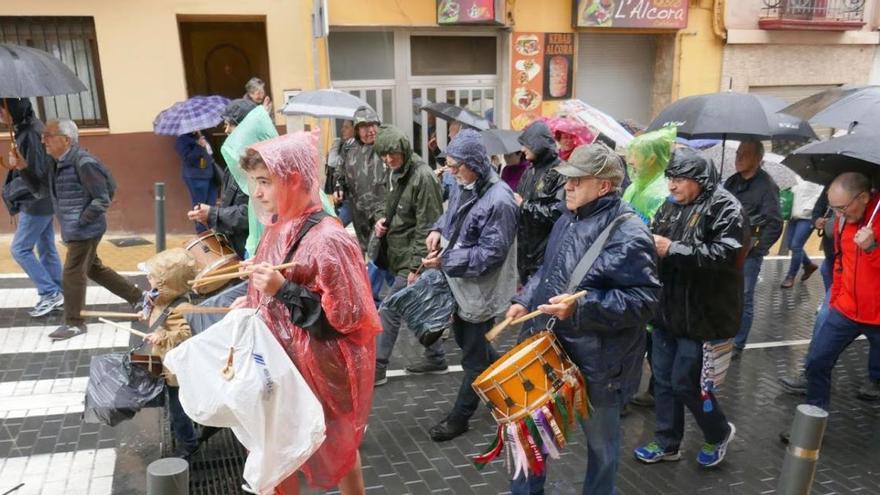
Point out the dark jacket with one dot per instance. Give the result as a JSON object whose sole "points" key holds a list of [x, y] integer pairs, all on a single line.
{"points": [[606, 335], [363, 179], [28, 131], [821, 210], [231, 217], [759, 197], [702, 273], [541, 189], [197, 162], [79, 193], [419, 206]]}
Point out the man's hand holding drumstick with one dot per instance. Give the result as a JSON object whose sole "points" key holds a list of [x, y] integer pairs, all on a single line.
{"points": [[199, 213], [264, 277]]}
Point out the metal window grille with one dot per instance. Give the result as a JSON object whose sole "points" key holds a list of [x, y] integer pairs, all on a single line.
{"points": [[73, 40]]}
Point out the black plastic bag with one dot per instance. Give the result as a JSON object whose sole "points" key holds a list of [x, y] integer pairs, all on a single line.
{"points": [[426, 306], [117, 390]]}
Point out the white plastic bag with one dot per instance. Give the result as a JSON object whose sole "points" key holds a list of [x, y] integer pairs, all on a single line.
{"points": [[267, 403]]}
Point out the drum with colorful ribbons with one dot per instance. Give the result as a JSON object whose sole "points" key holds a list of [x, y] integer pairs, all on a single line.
{"points": [[535, 392]]}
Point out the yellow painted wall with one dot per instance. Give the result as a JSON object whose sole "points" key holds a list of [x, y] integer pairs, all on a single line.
{"points": [[700, 53], [139, 47]]}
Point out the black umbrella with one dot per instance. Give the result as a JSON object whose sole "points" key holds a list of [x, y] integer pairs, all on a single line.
{"points": [[447, 111], [29, 72], [501, 141], [732, 115], [841, 108], [821, 162]]}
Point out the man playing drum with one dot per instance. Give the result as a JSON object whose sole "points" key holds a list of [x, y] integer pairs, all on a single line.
{"points": [[603, 332]]}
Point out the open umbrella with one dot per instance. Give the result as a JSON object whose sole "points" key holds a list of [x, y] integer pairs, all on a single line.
{"points": [[448, 111], [594, 118], [731, 115], [823, 161], [324, 104], [501, 141], [194, 114], [783, 176], [841, 108]]}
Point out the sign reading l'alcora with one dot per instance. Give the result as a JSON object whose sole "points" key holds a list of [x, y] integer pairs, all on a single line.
{"points": [[663, 14]]}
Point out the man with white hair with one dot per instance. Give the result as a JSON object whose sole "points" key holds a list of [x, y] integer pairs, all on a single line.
{"points": [[81, 188]]}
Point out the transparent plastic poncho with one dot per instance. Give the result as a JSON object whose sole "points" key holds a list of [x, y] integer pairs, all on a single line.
{"points": [[647, 156]]}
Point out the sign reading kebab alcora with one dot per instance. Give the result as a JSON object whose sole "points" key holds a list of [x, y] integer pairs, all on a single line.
{"points": [[655, 14]]}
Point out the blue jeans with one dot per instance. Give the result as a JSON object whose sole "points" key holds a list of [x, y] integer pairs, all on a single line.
{"points": [[825, 270], [37, 231], [836, 334], [391, 322], [379, 278], [800, 231], [751, 270], [677, 362], [344, 213], [181, 425], [603, 454]]}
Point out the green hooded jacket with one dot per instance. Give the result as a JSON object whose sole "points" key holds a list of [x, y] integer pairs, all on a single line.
{"points": [[650, 153], [420, 205]]}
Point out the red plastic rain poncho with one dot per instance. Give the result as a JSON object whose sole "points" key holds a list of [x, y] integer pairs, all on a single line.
{"points": [[328, 263], [580, 133]]}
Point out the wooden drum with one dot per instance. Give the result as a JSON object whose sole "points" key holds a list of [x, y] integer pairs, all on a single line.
{"points": [[213, 254]]}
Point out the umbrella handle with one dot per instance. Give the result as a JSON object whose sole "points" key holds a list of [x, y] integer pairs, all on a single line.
{"points": [[876, 207]]}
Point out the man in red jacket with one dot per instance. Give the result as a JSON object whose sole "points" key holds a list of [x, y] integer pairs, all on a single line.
{"points": [[855, 292]]}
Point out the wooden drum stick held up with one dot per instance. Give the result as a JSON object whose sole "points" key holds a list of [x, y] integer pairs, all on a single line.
{"points": [[229, 276], [497, 329], [123, 327], [110, 314]]}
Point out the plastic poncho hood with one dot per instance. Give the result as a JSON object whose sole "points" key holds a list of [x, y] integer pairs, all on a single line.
{"points": [[647, 157], [287, 156], [580, 133], [467, 148], [689, 163]]}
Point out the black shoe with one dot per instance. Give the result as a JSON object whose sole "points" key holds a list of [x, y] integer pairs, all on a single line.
{"points": [[186, 453], [428, 368], [808, 272], [795, 385], [785, 437], [380, 378], [870, 391], [642, 400], [65, 332], [427, 339], [207, 433], [448, 429], [737, 353]]}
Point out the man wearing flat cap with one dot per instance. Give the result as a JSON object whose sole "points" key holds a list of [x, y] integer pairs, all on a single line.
{"points": [[604, 331]]}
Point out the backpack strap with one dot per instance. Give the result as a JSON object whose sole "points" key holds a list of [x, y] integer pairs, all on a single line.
{"points": [[166, 313], [314, 219]]}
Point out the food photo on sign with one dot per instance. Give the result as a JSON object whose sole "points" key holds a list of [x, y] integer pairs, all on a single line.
{"points": [[558, 66], [466, 12], [631, 13]]}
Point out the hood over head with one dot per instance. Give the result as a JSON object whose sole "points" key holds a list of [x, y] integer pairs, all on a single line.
{"points": [[650, 151], [689, 163], [20, 109], [237, 110], [539, 139], [171, 270], [284, 156], [467, 148]]}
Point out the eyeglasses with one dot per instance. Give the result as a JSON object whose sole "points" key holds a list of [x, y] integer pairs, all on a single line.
{"points": [[452, 163], [842, 209]]}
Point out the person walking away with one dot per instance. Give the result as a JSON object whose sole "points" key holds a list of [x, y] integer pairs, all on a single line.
{"points": [[604, 331], [81, 189], [700, 239], [413, 204], [198, 170], [473, 244], [759, 196], [800, 227], [538, 195], [34, 228]]}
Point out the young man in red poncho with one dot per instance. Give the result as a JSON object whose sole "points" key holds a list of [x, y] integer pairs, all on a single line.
{"points": [[321, 310]]}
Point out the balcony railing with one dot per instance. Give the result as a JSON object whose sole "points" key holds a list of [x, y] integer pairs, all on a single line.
{"points": [[823, 15]]}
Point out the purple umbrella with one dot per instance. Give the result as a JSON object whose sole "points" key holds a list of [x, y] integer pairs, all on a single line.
{"points": [[194, 114]]}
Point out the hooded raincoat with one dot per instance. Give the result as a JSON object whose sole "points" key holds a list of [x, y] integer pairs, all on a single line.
{"points": [[28, 131], [363, 179], [702, 273], [420, 204], [646, 157], [580, 133], [541, 189], [257, 126], [324, 315]]}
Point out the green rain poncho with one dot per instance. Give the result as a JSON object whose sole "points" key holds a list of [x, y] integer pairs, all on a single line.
{"points": [[257, 126], [647, 156]]}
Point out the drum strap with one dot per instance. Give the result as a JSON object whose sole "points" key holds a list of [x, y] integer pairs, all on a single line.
{"points": [[584, 265]]}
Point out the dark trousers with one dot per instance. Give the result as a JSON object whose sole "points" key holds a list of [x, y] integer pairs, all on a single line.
{"points": [[751, 271], [476, 355], [677, 362], [82, 263], [834, 335], [181, 425]]}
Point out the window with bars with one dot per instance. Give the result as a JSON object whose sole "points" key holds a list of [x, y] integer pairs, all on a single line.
{"points": [[73, 41]]}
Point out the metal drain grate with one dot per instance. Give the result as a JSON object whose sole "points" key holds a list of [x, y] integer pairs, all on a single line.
{"points": [[216, 468]]}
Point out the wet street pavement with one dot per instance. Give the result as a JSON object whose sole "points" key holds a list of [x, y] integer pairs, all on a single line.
{"points": [[44, 445]]}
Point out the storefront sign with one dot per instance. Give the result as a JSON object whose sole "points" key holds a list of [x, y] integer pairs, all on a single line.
{"points": [[542, 70], [452, 12], [655, 14]]}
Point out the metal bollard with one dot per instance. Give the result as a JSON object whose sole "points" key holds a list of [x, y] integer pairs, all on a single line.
{"points": [[802, 454], [168, 476], [159, 188]]}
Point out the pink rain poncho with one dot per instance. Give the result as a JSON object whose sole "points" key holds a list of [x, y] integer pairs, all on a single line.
{"points": [[580, 133], [328, 263]]}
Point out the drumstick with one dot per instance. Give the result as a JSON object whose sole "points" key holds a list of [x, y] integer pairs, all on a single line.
{"points": [[229, 276], [226, 269], [202, 310], [122, 327], [497, 329], [110, 314]]}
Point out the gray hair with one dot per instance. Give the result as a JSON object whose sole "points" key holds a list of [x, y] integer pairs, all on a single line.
{"points": [[254, 84], [599, 161], [68, 128], [853, 183]]}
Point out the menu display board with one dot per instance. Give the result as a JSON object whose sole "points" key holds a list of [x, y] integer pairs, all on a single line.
{"points": [[452, 12], [653, 14], [542, 70]]}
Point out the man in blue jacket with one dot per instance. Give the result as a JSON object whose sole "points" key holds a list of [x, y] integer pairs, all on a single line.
{"points": [[477, 233], [603, 332]]}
